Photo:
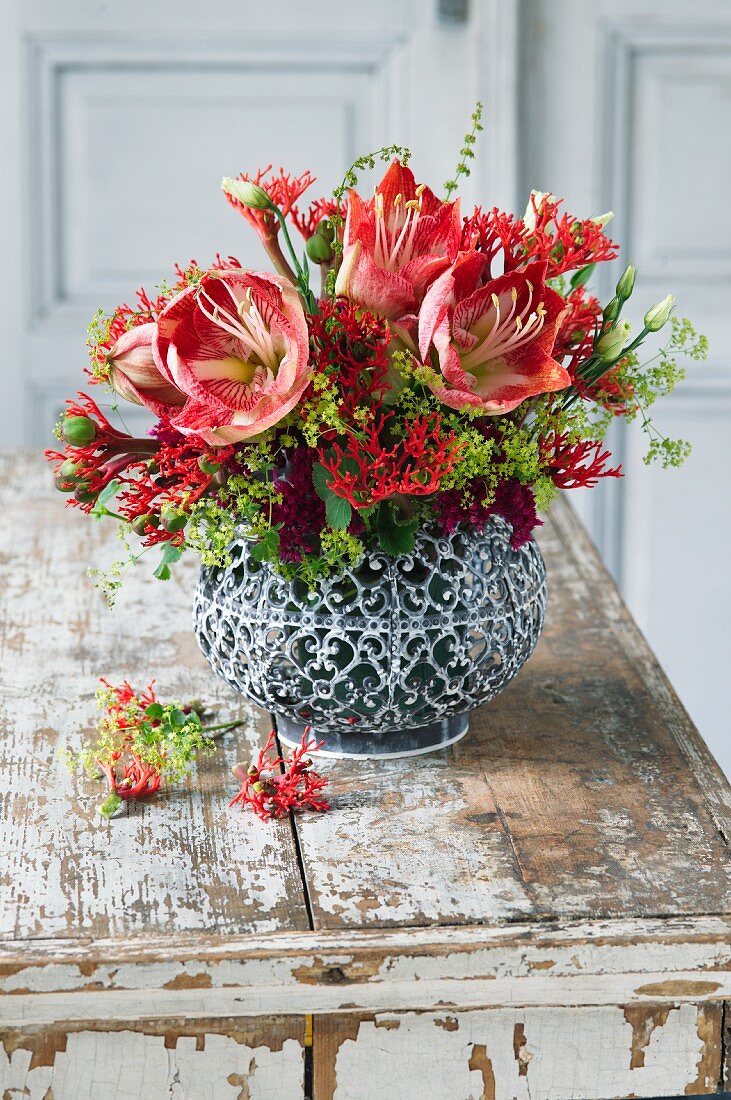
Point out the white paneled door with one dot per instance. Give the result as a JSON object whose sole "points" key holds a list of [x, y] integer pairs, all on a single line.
{"points": [[626, 105], [121, 119]]}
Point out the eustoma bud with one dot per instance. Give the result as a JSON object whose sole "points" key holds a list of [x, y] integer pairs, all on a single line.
{"points": [[658, 315], [626, 283], [247, 193], [609, 346]]}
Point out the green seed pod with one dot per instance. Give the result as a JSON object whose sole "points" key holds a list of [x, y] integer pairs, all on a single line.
{"points": [[208, 465], [326, 230], [69, 469], [141, 523], [83, 494], [252, 770], [153, 467], [173, 519], [258, 787], [63, 484], [79, 431], [318, 249]]}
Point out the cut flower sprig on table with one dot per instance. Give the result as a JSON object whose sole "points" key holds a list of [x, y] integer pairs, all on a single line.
{"points": [[140, 743], [452, 366]]}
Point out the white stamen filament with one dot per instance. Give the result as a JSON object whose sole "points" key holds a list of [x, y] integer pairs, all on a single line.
{"points": [[394, 248], [507, 333], [246, 326]]}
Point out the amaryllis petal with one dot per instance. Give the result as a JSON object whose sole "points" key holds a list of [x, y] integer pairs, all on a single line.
{"points": [[492, 342], [236, 344], [396, 244], [383, 293]]}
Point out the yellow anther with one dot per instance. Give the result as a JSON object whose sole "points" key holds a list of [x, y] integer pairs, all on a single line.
{"points": [[541, 309], [518, 324], [420, 190], [398, 199], [413, 204], [514, 294], [495, 301], [378, 204]]}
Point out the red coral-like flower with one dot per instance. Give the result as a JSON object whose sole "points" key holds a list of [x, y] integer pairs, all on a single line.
{"points": [[282, 188], [576, 464], [274, 785]]}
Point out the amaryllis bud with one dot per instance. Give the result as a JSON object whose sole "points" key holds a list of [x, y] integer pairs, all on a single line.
{"points": [[626, 283], [659, 314], [609, 346], [134, 375], [79, 431], [247, 193], [318, 249]]}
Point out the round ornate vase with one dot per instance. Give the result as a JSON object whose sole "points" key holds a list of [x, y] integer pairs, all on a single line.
{"points": [[387, 659]]}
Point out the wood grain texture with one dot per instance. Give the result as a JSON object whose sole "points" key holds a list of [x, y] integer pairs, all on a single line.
{"points": [[586, 1054], [181, 862], [581, 791], [221, 1059]]}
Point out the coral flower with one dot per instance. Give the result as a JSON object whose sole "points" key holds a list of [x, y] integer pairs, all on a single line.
{"points": [[493, 342], [236, 345], [396, 244], [135, 376]]}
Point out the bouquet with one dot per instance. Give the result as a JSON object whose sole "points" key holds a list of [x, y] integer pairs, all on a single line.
{"points": [[451, 366]]}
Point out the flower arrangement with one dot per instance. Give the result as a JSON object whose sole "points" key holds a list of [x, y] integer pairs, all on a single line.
{"points": [[453, 366]]}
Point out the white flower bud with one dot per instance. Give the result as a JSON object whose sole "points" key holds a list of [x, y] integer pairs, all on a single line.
{"points": [[658, 315], [603, 219], [609, 346], [247, 193], [535, 205]]}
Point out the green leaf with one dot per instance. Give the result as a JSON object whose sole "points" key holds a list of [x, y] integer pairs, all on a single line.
{"points": [[581, 278], [338, 512], [320, 477], [267, 549], [154, 711], [108, 491], [394, 537], [170, 555]]}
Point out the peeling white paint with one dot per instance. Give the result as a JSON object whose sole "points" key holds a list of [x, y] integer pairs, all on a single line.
{"points": [[132, 1066], [571, 1056]]}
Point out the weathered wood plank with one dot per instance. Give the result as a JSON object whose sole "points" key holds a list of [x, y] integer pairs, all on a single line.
{"points": [[150, 1060], [629, 962], [534, 1054], [570, 797], [183, 861]]}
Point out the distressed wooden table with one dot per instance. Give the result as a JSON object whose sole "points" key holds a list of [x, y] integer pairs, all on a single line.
{"points": [[542, 911]]}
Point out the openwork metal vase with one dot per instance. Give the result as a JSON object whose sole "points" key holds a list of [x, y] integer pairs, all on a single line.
{"points": [[388, 658]]}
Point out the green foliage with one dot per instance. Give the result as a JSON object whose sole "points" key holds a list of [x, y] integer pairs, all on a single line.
{"points": [[395, 531], [467, 151]]}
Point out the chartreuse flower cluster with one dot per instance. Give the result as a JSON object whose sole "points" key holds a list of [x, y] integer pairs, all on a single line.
{"points": [[447, 366]]}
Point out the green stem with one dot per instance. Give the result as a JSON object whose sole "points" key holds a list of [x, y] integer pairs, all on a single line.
{"points": [[222, 726]]}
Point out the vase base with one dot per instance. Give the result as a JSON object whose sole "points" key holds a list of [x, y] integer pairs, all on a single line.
{"points": [[390, 745]]}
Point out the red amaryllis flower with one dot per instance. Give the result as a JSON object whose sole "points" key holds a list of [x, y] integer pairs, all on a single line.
{"points": [[135, 376], [493, 343], [237, 346], [396, 244]]}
